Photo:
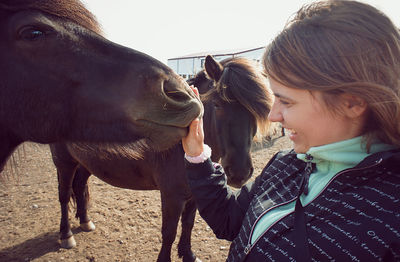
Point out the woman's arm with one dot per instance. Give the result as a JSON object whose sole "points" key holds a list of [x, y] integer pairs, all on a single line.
{"points": [[222, 208]]}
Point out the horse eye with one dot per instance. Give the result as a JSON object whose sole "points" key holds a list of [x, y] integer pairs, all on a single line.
{"points": [[217, 105], [31, 34]]}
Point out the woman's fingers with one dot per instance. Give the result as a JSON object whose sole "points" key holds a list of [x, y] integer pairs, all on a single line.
{"points": [[200, 130], [193, 143], [195, 90], [194, 128]]}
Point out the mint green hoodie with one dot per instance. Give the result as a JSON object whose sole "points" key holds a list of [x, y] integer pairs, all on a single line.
{"points": [[329, 160]]}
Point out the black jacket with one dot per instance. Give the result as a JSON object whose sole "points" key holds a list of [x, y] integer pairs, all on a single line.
{"points": [[355, 218]]}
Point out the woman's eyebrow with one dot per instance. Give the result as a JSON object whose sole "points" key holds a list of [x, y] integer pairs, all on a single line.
{"points": [[280, 96]]}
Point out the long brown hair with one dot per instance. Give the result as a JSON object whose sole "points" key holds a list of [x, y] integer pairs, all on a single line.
{"points": [[343, 47]]}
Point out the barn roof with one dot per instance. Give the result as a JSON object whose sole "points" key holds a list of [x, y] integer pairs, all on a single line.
{"points": [[217, 53]]}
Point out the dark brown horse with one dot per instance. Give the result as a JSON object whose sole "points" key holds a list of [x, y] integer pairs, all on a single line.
{"points": [[61, 81], [236, 102]]}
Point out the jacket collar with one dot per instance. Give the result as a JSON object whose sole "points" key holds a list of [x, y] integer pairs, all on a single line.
{"points": [[391, 158]]}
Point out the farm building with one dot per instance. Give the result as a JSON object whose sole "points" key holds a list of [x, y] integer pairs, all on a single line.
{"points": [[189, 65]]}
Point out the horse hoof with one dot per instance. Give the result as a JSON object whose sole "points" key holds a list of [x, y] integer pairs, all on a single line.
{"points": [[68, 242], [88, 226]]}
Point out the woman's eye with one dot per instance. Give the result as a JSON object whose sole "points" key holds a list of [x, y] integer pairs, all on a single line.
{"points": [[284, 102], [32, 34]]}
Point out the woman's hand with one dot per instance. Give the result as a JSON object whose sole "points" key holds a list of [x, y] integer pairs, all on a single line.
{"points": [[193, 143]]}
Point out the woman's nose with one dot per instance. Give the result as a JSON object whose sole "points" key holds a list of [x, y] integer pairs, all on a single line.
{"points": [[275, 114]]}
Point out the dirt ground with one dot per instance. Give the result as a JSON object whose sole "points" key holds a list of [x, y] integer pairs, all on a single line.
{"points": [[128, 222]]}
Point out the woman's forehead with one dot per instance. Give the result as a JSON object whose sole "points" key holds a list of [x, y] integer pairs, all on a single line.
{"points": [[281, 90], [296, 94]]}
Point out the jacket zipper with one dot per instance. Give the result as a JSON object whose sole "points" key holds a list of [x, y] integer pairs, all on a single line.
{"points": [[249, 246]]}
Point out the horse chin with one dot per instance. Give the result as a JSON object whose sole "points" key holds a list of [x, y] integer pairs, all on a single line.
{"points": [[238, 181], [165, 137], [234, 184]]}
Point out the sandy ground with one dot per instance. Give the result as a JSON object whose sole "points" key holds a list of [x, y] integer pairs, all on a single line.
{"points": [[128, 222]]}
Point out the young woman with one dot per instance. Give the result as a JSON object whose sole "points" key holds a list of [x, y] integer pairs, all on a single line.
{"points": [[335, 74]]}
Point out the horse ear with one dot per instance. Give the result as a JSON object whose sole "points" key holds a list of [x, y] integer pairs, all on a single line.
{"points": [[213, 68]]}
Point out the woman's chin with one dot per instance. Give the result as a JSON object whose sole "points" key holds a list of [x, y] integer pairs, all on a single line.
{"points": [[300, 149]]}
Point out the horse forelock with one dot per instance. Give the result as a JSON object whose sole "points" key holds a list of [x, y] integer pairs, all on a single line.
{"points": [[242, 81], [72, 10]]}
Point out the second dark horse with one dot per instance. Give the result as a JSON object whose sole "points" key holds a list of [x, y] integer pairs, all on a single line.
{"points": [[236, 104]]}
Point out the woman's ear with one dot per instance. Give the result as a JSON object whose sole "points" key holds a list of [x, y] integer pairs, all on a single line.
{"points": [[353, 106]]}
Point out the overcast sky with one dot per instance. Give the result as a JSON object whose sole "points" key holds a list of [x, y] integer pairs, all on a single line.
{"points": [[171, 28]]}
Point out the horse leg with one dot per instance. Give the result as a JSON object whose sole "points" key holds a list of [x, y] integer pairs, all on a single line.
{"points": [[65, 178], [81, 192], [171, 206], [184, 245]]}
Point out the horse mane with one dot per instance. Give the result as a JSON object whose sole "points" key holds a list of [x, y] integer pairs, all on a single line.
{"points": [[242, 81], [72, 10]]}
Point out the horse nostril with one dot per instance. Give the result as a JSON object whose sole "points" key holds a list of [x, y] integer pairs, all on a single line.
{"points": [[172, 92], [176, 95], [227, 171], [246, 178]]}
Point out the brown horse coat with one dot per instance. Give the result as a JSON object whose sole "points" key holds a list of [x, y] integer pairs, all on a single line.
{"points": [[61, 81]]}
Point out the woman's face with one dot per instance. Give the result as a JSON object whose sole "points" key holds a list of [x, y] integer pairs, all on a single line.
{"points": [[307, 119]]}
